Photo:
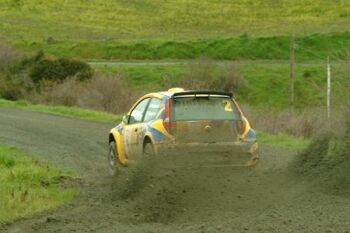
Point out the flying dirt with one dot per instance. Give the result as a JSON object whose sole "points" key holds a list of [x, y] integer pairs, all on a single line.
{"points": [[151, 196]]}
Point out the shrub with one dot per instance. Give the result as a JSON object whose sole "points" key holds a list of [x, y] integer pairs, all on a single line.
{"points": [[102, 92], [39, 68], [10, 89], [59, 70]]}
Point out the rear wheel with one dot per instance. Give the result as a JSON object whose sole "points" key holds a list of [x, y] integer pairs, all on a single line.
{"points": [[254, 160], [148, 150], [113, 158]]}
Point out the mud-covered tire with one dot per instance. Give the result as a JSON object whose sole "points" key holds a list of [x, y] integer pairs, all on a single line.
{"points": [[148, 150], [113, 163]]}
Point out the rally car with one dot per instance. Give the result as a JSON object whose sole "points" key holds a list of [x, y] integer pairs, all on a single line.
{"points": [[179, 119]]}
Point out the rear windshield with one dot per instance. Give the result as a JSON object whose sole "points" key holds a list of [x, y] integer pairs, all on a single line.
{"points": [[204, 108]]}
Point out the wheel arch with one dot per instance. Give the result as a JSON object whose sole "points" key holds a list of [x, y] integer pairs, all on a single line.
{"points": [[111, 138], [149, 139], [115, 136]]}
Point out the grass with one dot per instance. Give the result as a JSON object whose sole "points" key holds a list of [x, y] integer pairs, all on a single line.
{"points": [[73, 112], [266, 82], [283, 140], [106, 19], [158, 29], [29, 186], [315, 46]]}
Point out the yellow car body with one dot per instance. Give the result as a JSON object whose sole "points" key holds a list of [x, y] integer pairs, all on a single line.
{"points": [[150, 123]]}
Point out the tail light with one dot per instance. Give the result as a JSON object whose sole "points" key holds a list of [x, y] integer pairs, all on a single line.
{"points": [[166, 118]]}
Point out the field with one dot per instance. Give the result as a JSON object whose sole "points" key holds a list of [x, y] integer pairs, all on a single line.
{"points": [[264, 83], [254, 34], [145, 29], [244, 47]]}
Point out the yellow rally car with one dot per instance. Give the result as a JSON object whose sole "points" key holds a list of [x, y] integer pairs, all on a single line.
{"points": [[177, 119]]}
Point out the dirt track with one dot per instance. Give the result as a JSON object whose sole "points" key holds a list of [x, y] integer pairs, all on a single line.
{"points": [[268, 198]]}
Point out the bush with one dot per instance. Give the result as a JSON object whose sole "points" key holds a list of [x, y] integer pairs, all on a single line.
{"points": [[39, 68], [10, 89], [59, 70], [102, 92]]}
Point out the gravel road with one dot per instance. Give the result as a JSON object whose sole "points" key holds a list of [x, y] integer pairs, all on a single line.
{"points": [[150, 198]]}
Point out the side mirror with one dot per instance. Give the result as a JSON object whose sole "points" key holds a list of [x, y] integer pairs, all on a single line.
{"points": [[126, 119]]}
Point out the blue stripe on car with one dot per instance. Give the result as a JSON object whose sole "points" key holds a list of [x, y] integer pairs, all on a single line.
{"points": [[251, 134], [156, 134], [119, 128]]}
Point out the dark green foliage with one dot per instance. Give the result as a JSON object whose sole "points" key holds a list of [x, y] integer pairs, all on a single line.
{"points": [[60, 69], [25, 75], [7, 161], [38, 68], [10, 89], [26, 63]]}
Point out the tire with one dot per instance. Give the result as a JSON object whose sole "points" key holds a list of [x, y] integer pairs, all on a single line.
{"points": [[254, 161], [148, 150], [113, 163]]}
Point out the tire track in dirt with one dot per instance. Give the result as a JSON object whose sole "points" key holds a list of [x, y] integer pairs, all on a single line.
{"points": [[147, 198]]}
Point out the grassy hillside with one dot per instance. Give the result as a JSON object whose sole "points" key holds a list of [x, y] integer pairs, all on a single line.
{"points": [[264, 82], [139, 29], [315, 46], [121, 19]]}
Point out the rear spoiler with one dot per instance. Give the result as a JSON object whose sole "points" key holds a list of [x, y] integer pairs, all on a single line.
{"points": [[195, 93]]}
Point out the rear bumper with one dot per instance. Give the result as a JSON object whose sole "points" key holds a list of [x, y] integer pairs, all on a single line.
{"points": [[241, 153]]}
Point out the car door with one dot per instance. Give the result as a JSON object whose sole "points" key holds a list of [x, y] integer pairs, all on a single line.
{"points": [[133, 128], [151, 113]]}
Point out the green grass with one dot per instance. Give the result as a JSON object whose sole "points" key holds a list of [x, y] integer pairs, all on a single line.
{"points": [[73, 112], [118, 19], [158, 29], [282, 140], [314, 47], [29, 186], [266, 82], [310, 47]]}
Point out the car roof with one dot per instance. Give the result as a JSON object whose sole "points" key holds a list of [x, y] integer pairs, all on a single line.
{"points": [[182, 92]]}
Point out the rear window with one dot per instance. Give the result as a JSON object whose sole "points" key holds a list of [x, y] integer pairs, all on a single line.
{"points": [[212, 108]]}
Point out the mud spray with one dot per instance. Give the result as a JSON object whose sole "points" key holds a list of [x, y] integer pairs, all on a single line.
{"points": [[326, 163]]}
